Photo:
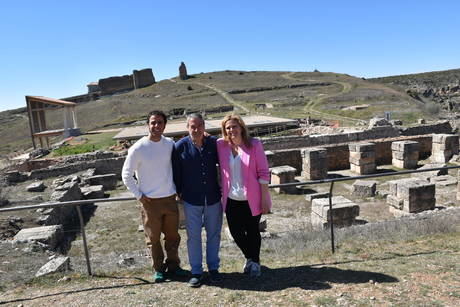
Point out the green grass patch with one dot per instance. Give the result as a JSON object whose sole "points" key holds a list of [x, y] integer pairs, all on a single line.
{"points": [[91, 142]]}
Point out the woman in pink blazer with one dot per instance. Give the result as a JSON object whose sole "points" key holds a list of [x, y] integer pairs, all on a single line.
{"points": [[244, 182]]}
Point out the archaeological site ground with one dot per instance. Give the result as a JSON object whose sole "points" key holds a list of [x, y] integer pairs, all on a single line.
{"points": [[396, 227]]}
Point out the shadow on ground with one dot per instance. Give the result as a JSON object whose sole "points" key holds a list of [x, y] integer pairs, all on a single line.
{"points": [[304, 277]]}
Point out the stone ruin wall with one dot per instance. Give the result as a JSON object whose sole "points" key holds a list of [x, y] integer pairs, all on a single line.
{"points": [[290, 142], [338, 154], [143, 78], [116, 84], [286, 150], [103, 162]]}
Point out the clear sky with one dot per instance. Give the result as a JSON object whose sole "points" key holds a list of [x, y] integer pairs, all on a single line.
{"points": [[54, 48]]}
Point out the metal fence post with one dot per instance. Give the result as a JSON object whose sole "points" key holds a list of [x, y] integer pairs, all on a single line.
{"points": [[83, 235], [330, 214]]}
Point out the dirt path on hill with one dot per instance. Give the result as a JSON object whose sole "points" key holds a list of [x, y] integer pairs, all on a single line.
{"points": [[310, 107], [223, 94]]}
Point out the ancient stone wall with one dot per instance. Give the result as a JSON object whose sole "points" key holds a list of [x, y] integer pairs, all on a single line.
{"points": [[289, 142], [442, 127], [338, 155], [102, 166], [116, 84], [321, 140], [143, 78]]}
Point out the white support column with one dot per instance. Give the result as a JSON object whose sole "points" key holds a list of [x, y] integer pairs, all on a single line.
{"points": [[74, 116]]}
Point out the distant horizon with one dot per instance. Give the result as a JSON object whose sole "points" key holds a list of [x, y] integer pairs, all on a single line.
{"points": [[158, 80], [55, 49]]}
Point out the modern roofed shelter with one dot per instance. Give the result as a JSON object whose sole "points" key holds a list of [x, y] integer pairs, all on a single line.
{"points": [[36, 107]]}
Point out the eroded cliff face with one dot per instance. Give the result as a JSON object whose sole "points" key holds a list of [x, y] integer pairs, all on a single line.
{"points": [[441, 87], [447, 96]]}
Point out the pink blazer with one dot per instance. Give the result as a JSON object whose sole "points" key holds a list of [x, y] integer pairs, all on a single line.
{"points": [[254, 166]]}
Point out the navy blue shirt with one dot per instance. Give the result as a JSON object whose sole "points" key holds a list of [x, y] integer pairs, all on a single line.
{"points": [[195, 171]]}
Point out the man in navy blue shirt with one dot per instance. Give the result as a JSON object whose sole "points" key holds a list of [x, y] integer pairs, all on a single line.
{"points": [[195, 176]]}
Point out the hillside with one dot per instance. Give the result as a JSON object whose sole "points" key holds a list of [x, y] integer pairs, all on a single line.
{"points": [[284, 94], [438, 87]]}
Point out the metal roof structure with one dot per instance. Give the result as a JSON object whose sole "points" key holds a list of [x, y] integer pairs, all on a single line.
{"points": [[36, 108], [178, 128]]}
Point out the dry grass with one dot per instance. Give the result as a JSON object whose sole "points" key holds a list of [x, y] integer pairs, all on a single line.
{"points": [[404, 262]]}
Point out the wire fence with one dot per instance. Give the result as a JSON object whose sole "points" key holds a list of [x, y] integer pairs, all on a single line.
{"points": [[78, 203]]}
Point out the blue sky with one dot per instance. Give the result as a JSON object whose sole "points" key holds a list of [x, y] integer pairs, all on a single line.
{"points": [[54, 48]]}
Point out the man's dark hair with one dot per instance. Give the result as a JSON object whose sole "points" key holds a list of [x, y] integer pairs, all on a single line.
{"points": [[159, 113]]}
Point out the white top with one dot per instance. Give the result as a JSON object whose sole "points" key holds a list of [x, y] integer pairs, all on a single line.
{"points": [[151, 162], [236, 185]]}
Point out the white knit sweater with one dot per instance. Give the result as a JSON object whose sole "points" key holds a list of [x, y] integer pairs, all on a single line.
{"points": [[151, 162]]}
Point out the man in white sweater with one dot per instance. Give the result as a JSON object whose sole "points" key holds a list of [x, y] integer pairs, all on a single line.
{"points": [[149, 159]]}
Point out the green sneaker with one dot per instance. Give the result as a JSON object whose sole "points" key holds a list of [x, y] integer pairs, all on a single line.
{"points": [[159, 277]]}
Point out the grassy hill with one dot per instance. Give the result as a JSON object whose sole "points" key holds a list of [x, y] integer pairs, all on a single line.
{"points": [[287, 94], [431, 79]]}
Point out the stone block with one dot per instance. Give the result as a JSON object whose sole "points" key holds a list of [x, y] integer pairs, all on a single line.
{"points": [[270, 158], [395, 202], [441, 156], [362, 161], [428, 175], [314, 153], [364, 188], [109, 181], [344, 212], [314, 163], [399, 155], [405, 146], [406, 163], [93, 192], [72, 192], [283, 174], [342, 208], [445, 139], [361, 147], [419, 205], [310, 197], [49, 235], [411, 195], [444, 181], [363, 169], [362, 155], [36, 187], [444, 147], [58, 264]]}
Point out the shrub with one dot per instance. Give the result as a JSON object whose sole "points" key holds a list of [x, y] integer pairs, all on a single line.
{"points": [[432, 108]]}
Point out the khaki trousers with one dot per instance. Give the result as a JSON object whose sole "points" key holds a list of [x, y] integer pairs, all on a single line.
{"points": [[161, 215]]}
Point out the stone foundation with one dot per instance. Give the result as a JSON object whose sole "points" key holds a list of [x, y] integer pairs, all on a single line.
{"points": [[48, 235], [362, 158], [344, 212], [410, 195], [364, 188], [444, 147], [314, 163], [405, 154], [283, 174]]}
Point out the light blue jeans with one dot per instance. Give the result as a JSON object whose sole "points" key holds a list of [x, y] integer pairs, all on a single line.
{"points": [[209, 216]]}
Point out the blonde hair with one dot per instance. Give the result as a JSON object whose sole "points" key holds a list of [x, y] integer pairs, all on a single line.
{"points": [[244, 130]]}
